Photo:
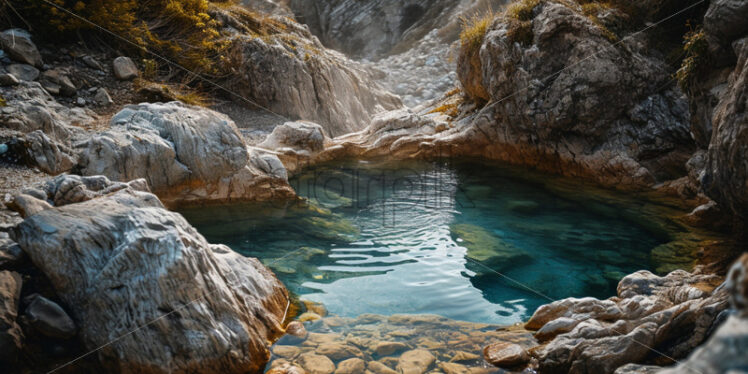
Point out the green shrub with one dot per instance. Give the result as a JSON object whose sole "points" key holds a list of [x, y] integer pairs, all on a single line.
{"points": [[474, 29], [696, 49], [181, 30]]}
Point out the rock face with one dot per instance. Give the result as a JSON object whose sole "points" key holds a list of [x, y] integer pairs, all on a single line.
{"points": [[726, 172], [187, 154], [292, 74], [141, 278], [569, 100], [19, 46], [668, 315]]}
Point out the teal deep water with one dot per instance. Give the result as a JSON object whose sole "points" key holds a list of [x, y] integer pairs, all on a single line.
{"points": [[467, 241]]}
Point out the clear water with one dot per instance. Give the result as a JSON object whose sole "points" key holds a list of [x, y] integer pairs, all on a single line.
{"points": [[469, 242]]}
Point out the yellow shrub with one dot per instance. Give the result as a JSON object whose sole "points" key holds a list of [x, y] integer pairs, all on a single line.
{"points": [[474, 29]]}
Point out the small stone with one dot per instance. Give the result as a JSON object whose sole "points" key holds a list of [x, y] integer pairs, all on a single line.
{"points": [[286, 368], [351, 366], [52, 88], [453, 368], [286, 351], [462, 356], [296, 329], [24, 72], [337, 351], [80, 101], [316, 364], [60, 78], [124, 68], [102, 97], [49, 318], [11, 253], [8, 80], [388, 348], [417, 361], [92, 63], [503, 354], [309, 316], [377, 367], [314, 307]]}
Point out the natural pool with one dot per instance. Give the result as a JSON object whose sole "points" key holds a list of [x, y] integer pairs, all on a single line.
{"points": [[466, 241]]}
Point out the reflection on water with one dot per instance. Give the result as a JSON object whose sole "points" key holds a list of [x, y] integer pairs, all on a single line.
{"points": [[373, 238]]}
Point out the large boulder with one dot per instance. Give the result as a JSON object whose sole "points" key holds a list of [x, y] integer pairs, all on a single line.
{"points": [[565, 98], [48, 155], [651, 317], [186, 153], [147, 290], [19, 46]]}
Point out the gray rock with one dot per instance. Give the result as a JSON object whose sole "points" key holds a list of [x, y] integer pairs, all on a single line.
{"points": [[91, 62], [34, 109], [8, 80], [59, 79], [124, 68], [23, 72], [670, 315], [49, 318], [17, 43], [299, 136], [48, 155], [11, 336], [70, 189], [186, 153], [306, 81], [121, 261], [102, 97]]}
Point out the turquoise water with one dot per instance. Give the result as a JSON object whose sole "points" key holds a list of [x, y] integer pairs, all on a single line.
{"points": [[469, 242]]}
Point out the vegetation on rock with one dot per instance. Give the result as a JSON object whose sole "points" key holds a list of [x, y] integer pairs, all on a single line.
{"points": [[696, 48]]}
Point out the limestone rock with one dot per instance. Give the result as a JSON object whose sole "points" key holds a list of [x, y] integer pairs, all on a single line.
{"points": [[121, 261], [23, 72], [299, 136], [30, 107], [504, 354], [186, 153], [670, 314], [303, 80], [417, 361], [124, 68], [286, 368], [11, 336], [48, 155], [19, 46], [724, 352], [49, 318], [637, 369]]}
